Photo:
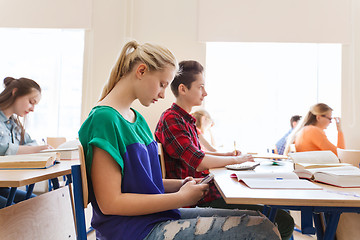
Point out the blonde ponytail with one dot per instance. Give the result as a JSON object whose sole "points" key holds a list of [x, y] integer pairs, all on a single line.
{"points": [[155, 57]]}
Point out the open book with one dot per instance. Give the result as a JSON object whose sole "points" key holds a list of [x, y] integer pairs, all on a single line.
{"points": [[34, 160], [324, 166], [274, 180], [343, 176], [315, 159], [68, 150]]}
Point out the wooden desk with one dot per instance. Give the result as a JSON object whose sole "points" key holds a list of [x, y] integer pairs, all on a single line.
{"points": [[331, 200], [22, 177]]}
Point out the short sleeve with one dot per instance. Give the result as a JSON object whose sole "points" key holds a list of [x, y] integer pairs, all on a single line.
{"points": [[102, 130]]}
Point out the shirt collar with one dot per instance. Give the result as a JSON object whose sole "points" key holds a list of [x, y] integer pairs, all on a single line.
{"points": [[3, 118], [183, 113]]}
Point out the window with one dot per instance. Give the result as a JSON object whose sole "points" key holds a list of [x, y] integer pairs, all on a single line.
{"points": [[255, 88], [54, 59]]}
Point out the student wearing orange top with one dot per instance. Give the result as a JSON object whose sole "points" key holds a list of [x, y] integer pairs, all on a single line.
{"points": [[310, 135]]}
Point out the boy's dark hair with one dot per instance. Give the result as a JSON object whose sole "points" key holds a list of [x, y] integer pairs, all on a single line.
{"points": [[294, 118], [187, 72]]}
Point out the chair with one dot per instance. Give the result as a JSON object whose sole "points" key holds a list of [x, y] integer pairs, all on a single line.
{"points": [[48, 216], [162, 160], [55, 141], [80, 195], [349, 156]]}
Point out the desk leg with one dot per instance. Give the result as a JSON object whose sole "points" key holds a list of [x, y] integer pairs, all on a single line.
{"points": [[11, 196], [307, 221], [29, 191], [69, 180], [272, 214], [55, 183], [319, 226], [332, 223]]}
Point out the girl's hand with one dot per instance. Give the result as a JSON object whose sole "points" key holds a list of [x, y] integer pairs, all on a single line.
{"points": [[245, 158], [338, 123], [187, 179], [236, 153], [42, 147], [191, 192]]}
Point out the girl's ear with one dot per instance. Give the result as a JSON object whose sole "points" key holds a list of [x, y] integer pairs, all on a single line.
{"points": [[140, 70], [318, 117], [182, 89]]}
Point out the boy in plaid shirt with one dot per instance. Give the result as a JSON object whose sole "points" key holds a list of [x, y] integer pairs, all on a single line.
{"points": [[176, 131]]}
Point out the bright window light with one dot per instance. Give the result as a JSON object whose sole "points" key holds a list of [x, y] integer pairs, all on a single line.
{"points": [[255, 88], [54, 59]]}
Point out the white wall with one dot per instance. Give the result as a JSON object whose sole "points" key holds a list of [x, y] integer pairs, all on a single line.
{"points": [[320, 21], [174, 24], [350, 103], [45, 13]]}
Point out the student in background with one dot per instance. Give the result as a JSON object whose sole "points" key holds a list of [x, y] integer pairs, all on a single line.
{"points": [[281, 144], [176, 131], [17, 100], [204, 123], [309, 135], [130, 199]]}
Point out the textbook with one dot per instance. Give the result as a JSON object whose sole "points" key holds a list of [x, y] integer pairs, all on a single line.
{"points": [[343, 176], [274, 180], [34, 160], [68, 150], [315, 159], [65, 153], [325, 167]]}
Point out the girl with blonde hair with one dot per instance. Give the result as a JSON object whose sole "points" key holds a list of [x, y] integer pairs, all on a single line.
{"points": [[309, 134], [130, 199], [203, 125]]}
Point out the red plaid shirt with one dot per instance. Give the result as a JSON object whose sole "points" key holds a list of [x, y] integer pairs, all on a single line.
{"points": [[176, 131]]}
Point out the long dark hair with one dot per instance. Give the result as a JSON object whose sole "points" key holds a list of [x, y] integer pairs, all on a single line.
{"points": [[23, 87]]}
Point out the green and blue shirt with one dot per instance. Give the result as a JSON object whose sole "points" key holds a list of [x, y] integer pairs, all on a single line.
{"points": [[132, 146]]}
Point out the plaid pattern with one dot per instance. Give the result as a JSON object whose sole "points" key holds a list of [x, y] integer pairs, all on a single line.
{"points": [[280, 145], [177, 133]]}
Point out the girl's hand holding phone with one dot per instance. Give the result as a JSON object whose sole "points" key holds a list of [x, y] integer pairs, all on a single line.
{"points": [[191, 192]]}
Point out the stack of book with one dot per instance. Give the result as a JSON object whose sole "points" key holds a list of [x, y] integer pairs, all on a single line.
{"points": [[28, 161], [325, 167]]}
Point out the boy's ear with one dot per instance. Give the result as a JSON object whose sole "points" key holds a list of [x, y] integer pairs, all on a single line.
{"points": [[182, 89], [140, 70], [14, 91]]}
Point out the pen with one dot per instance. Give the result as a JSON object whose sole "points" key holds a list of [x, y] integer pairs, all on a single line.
{"points": [[43, 140], [235, 148]]}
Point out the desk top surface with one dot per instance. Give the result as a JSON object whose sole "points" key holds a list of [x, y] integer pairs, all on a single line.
{"points": [[235, 192], [22, 177]]}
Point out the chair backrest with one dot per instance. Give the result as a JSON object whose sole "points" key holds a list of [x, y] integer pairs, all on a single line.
{"points": [[55, 141], [162, 160], [349, 156], [80, 189], [48, 216]]}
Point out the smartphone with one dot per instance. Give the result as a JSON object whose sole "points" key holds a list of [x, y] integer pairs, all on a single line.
{"points": [[207, 179]]}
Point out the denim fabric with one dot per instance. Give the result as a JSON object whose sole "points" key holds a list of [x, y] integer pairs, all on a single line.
{"points": [[283, 219], [10, 136], [210, 223], [19, 196]]}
